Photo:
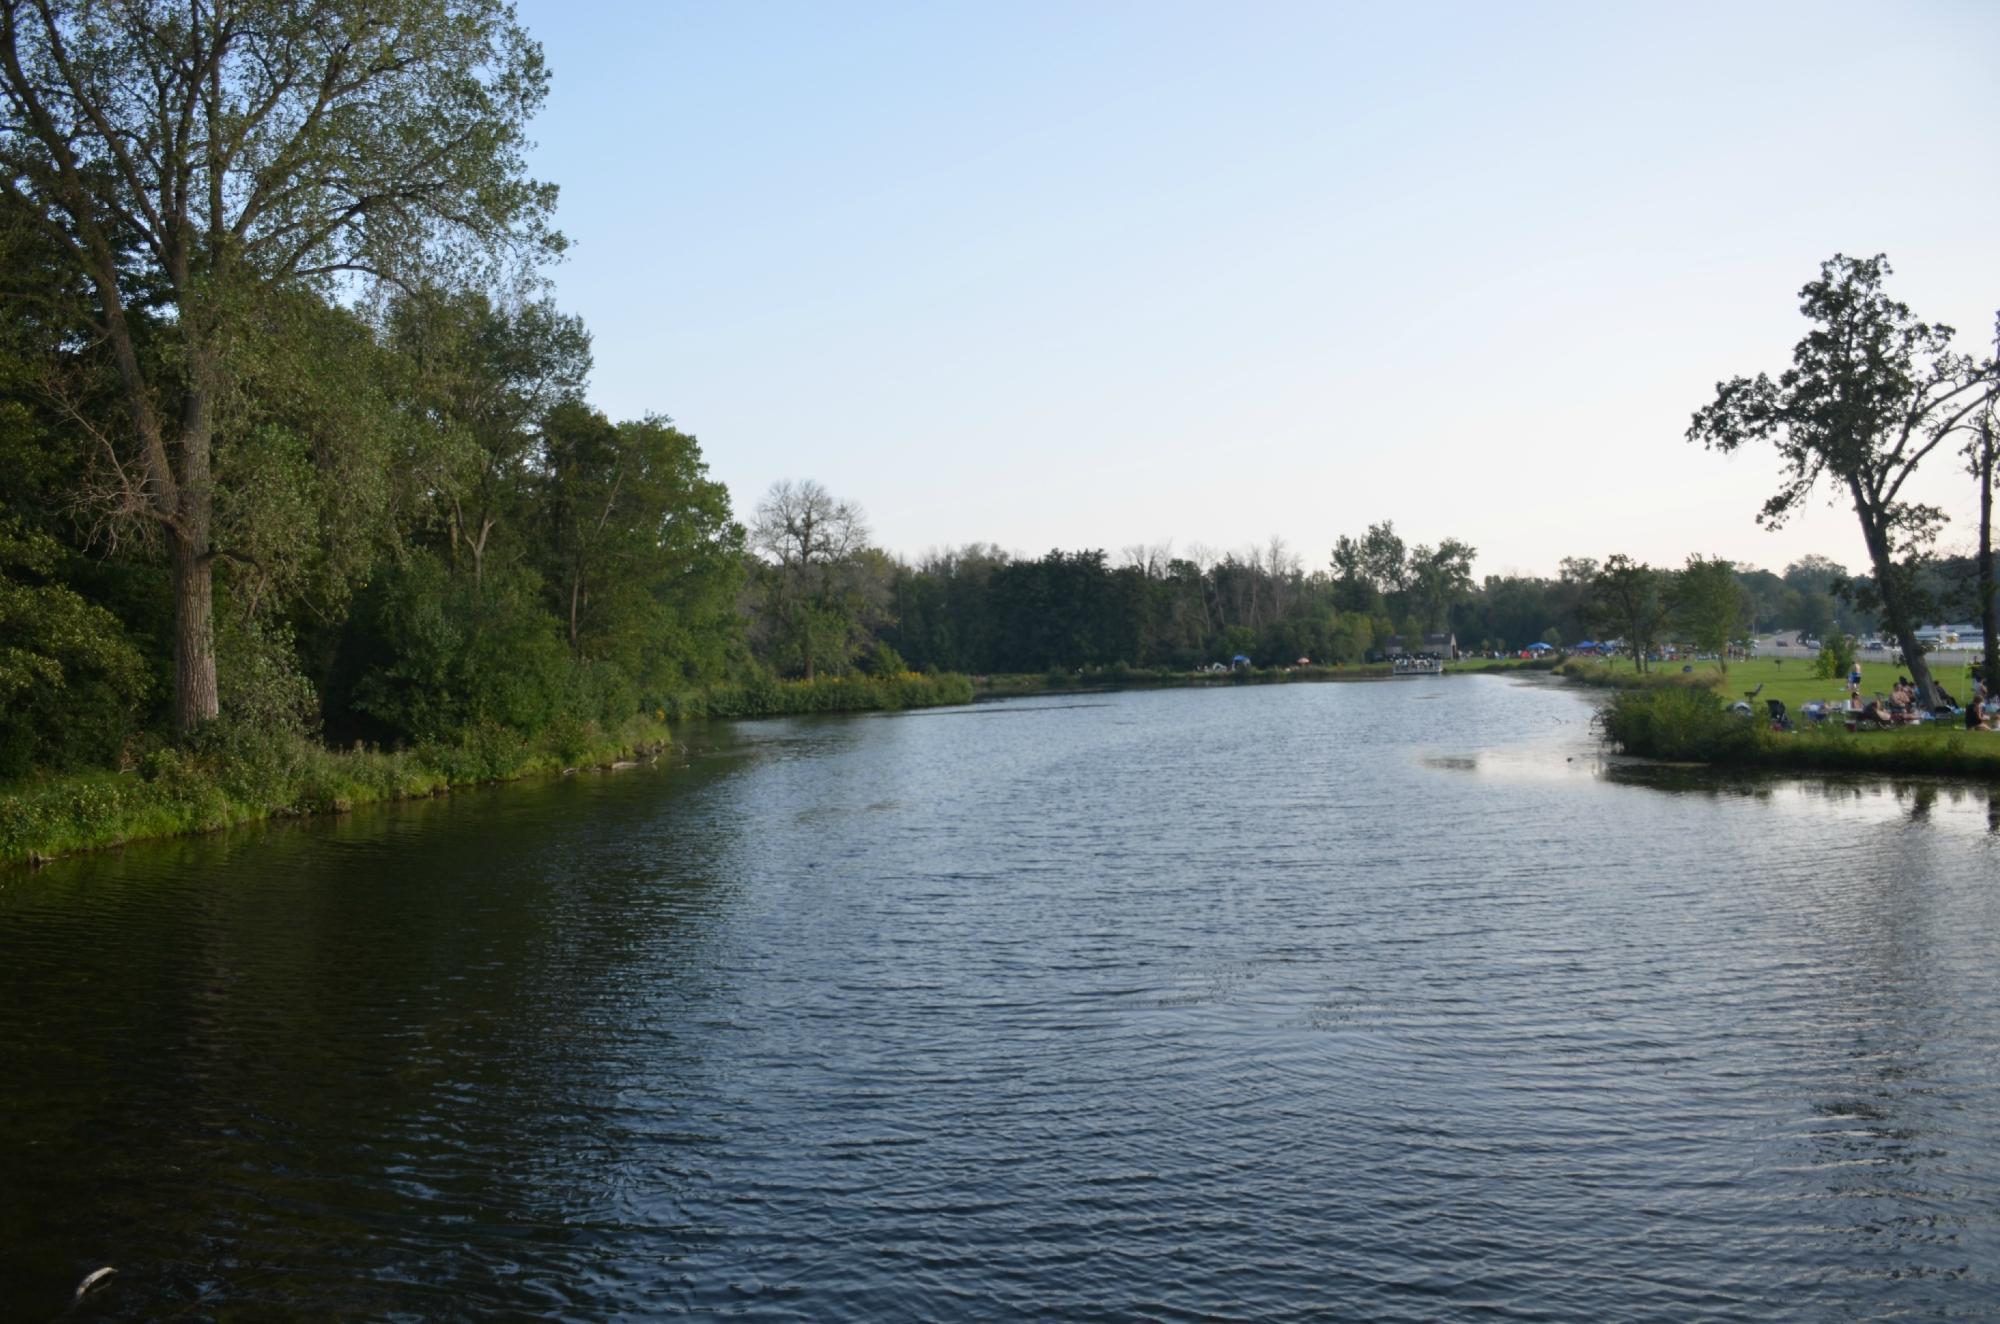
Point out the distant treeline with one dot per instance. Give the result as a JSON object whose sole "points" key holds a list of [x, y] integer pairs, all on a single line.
{"points": [[978, 610]]}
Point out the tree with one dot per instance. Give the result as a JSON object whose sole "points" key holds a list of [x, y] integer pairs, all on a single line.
{"points": [[1439, 579], [1871, 392], [1626, 599], [1989, 668], [1711, 605], [819, 590], [189, 159], [1980, 454], [485, 376], [1370, 568], [1813, 615]]}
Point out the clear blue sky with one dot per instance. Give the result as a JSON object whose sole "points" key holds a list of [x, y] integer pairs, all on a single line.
{"points": [[1097, 274]]}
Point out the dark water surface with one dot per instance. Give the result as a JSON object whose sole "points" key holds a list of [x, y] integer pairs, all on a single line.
{"points": [[1343, 1001]]}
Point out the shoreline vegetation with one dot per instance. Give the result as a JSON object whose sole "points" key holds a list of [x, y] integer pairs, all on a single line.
{"points": [[233, 774], [1685, 717]]}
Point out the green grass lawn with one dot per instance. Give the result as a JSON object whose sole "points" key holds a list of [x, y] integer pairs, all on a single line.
{"points": [[1791, 680]]}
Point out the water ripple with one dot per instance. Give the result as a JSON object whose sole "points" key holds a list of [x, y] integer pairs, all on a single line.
{"points": [[1393, 1002]]}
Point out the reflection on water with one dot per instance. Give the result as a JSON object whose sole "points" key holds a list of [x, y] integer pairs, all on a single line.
{"points": [[1389, 1001]]}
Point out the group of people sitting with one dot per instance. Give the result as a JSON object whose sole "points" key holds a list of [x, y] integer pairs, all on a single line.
{"points": [[1902, 705]]}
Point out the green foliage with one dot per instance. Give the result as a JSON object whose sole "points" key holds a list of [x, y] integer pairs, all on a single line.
{"points": [[232, 772], [307, 145], [258, 673], [1710, 604], [763, 695], [882, 660], [1628, 598], [447, 655], [1836, 658], [1590, 671], [1677, 722], [71, 682], [817, 588]]}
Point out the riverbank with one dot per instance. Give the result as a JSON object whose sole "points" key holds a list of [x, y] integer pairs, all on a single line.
{"points": [[1118, 677], [232, 775], [1681, 723]]}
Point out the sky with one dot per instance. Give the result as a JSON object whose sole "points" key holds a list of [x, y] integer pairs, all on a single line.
{"points": [[1101, 274]]}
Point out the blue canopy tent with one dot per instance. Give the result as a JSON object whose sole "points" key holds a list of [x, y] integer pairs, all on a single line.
{"points": [[1541, 648]]}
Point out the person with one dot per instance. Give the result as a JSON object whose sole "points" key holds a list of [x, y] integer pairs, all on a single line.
{"points": [[1854, 697], [1877, 714], [1854, 675], [1976, 720]]}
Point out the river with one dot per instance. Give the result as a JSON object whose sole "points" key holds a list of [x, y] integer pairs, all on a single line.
{"points": [[1390, 1001]]}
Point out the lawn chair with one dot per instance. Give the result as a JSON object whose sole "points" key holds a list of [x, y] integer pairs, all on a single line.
{"points": [[1779, 721], [1752, 694]]}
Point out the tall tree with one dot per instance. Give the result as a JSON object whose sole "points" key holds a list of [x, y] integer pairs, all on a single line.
{"points": [[1439, 579], [819, 587], [189, 158], [1981, 453], [485, 376], [1711, 605], [1871, 392], [1982, 456], [1369, 568], [1626, 598]]}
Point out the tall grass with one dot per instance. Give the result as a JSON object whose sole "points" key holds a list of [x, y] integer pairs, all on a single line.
{"points": [[236, 774]]}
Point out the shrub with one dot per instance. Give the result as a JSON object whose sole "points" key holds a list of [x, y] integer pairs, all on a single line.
{"points": [[1836, 657], [71, 679], [882, 660], [1677, 722]]}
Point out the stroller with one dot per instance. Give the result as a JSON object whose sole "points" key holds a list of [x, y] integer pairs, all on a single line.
{"points": [[1780, 721]]}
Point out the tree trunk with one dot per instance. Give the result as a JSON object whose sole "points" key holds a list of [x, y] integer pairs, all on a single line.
{"points": [[195, 698], [1895, 612], [1989, 668]]}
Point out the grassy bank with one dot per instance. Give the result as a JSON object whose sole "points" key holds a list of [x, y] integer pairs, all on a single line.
{"points": [[1685, 724], [232, 774]]}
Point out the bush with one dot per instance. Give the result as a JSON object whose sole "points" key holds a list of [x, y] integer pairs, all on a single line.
{"points": [[71, 679], [1678, 722], [882, 660], [1836, 657], [453, 654]]}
